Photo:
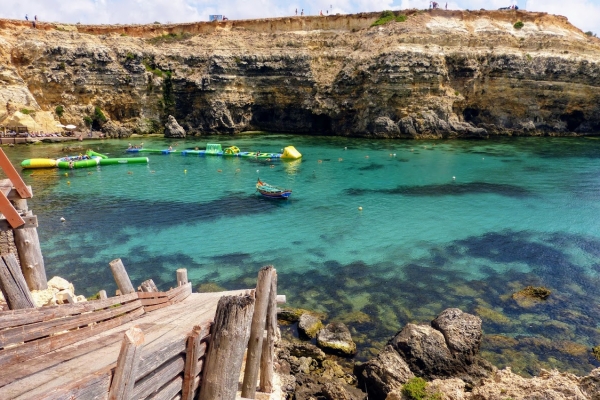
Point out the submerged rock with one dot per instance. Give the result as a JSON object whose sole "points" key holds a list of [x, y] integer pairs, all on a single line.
{"points": [[309, 325], [336, 338], [530, 296]]}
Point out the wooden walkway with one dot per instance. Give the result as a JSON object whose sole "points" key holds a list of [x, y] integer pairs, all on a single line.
{"points": [[84, 369]]}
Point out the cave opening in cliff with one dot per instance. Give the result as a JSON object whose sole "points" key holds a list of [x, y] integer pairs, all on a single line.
{"points": [[573, 119]]}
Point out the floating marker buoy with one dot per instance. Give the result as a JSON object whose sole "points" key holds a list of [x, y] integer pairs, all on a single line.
{"points": [[345, 148], [394, 154], [320, 161], [237, 170], [340, 159], [359, 208], [219, 170], [66, 174], [366, 156], [68, 182], [257, 171], [62, 219], [185, 171], [453, 178]]}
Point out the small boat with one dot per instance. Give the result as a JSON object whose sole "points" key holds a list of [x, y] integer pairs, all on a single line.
{"points": [[272, 192]]}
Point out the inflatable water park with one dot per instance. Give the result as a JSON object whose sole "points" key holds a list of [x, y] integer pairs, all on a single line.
{"points": [[289, 153], [90, 159]]}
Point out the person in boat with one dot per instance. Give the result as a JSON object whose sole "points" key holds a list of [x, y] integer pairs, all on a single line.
{"points": [[170, 148], [258, 153], [130, 147]]}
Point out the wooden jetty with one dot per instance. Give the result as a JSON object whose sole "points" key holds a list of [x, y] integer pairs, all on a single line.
{"points": [[140, 344]]}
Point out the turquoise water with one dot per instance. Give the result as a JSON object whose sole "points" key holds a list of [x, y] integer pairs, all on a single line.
{"points": [[443, 224]]}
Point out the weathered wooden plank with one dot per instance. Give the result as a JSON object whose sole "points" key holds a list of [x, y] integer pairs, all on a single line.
{"points": [[92, 387], [178, 290], [121, 277], [12, 283], [183, 294], [122, 385], [158, 378], [182, 278], [13, 318], [24, 368], [253, 355], [229, 339], [158, 306], [46, 328], [43, 346], [191, 363], [152, 295], [268, 348], [169, 391], [29, 250], [198, 370], [154, 355], [151, 302]]}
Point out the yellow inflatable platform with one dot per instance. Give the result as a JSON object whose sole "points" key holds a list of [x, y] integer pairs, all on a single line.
{"points": [[291, 153]]}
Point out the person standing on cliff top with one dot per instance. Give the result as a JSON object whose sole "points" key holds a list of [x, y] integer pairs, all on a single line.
{"points": [[302, 12], [296, 11], [35, 18], [26, 17]]}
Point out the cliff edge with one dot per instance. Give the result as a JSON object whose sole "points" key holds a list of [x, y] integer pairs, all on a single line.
{"points": [[425, 74]]}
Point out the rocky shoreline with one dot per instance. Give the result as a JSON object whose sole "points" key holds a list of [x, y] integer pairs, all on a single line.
{"points": [[439, 361]]}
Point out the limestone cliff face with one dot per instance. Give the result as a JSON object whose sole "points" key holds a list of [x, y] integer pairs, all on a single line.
{"points": [[438, 74]]}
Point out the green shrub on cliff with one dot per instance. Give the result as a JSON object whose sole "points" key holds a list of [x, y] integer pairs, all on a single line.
{"points": [[518, 25], [59, 110], [388, 16], [27, 111]]}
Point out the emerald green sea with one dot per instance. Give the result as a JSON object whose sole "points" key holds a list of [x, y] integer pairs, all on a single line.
{"points": [[443, 224]]}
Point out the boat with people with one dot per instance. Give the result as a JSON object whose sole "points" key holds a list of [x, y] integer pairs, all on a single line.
{"points": [[215, 149], [272, 192]]}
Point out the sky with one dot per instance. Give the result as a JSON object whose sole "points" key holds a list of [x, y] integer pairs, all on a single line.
{"points": [[585, 14]]}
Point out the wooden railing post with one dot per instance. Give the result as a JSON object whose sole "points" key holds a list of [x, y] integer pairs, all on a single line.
{"points": [[28, 246], [229, 338], [148, 286], [13, 284], [121, 277], [182, 278], [192, 354], [268, 348], [123, 380], [263, 288], [102, 295]]}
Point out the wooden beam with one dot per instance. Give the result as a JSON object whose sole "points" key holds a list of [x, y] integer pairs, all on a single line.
{"points": [[13, 285], [14, 177], [229, 339], [29, 222], [268, 348], [10, 213], [191, 362], [123, 381], [121, 277], [263, 289], [158, 378]]}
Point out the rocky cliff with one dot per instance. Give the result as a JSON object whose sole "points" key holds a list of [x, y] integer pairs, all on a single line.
{"points": [[432, 74]]}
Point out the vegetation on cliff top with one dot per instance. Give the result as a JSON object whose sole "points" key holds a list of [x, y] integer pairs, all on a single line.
{"points": [[170, 38], [518, 25], [388, 16]]}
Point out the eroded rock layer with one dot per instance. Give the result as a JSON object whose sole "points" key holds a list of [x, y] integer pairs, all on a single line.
{"points": [[438, 74]]}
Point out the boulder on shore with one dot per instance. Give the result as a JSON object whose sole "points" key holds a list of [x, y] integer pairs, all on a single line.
{"points": [[336, 338], [173, 129], [309, 325]]}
